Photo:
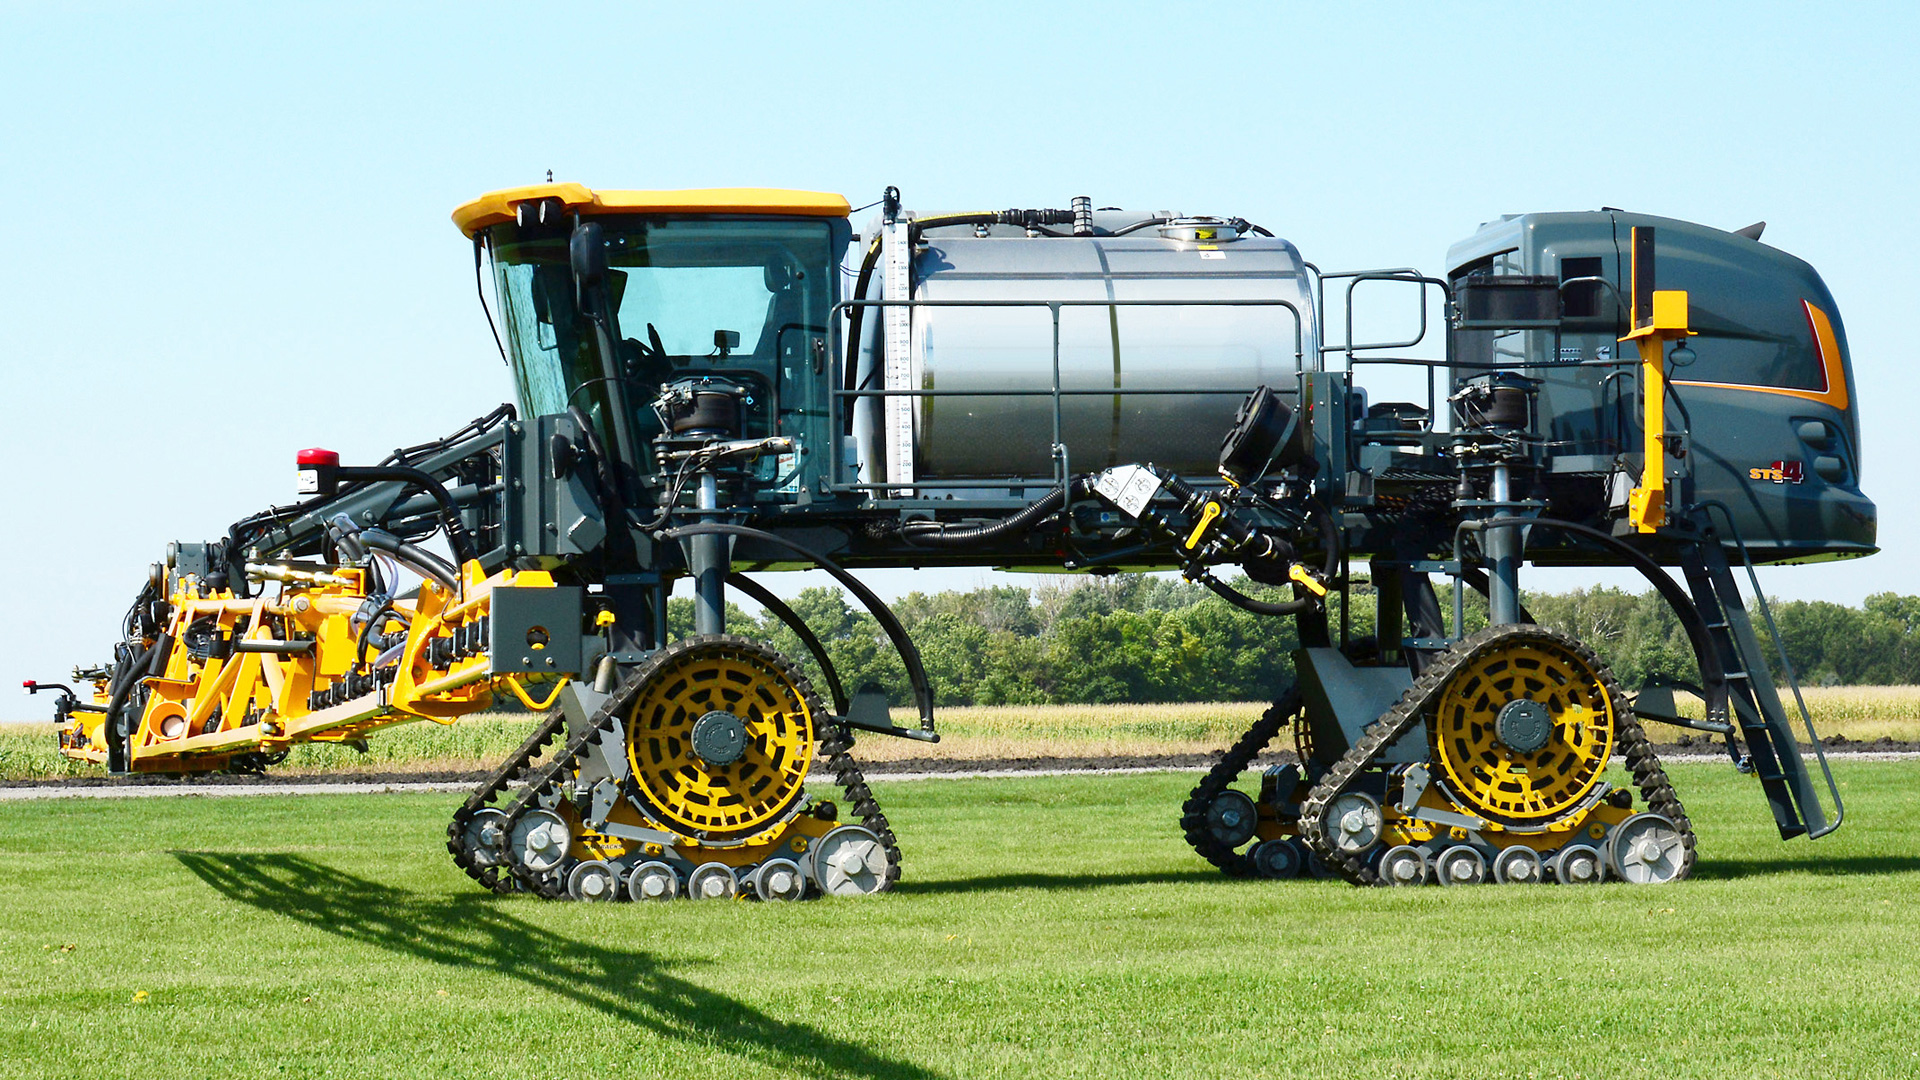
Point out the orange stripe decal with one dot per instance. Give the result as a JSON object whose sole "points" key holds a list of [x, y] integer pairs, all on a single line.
{"points": [[1833, 371]]}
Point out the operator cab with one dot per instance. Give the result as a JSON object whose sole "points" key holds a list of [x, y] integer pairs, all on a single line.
{"points": [[721, 297]]}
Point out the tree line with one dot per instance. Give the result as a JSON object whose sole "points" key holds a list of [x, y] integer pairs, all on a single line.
{"points": [[1140, 639]]}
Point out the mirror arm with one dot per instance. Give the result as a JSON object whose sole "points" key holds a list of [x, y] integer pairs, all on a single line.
{"points": [[587, 252]]}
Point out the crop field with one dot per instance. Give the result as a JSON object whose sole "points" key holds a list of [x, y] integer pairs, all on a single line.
{"points": [[1861, 714], [1046, 928]]}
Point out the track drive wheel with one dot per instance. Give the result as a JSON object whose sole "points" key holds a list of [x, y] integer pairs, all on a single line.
{"points": [[720, 737], [1521, 733]]}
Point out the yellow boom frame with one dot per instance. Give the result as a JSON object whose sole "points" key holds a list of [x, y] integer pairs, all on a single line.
{"points": [[202, 710]]}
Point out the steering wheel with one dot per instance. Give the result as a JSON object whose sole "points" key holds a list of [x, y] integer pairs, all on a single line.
{"points": [[651, 353]]}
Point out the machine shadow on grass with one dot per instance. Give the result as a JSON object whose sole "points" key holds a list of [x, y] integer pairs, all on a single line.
{"points": [[629, 986], [1059, 881], [1712, 869]]}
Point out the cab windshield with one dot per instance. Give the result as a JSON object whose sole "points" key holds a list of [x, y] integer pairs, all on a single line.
{"points": [[743, 299]]}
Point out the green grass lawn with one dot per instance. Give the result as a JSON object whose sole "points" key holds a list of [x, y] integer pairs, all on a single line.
{"points": [[1046, 928]]}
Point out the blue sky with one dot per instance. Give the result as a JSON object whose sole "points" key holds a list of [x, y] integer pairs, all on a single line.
{"points": [[229, 231]]}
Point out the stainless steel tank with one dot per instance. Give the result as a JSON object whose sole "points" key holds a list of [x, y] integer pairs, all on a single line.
{"points": [[1148, 381]]}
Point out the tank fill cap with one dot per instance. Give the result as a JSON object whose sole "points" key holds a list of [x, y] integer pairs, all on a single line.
{"points": [[1200, 230]]}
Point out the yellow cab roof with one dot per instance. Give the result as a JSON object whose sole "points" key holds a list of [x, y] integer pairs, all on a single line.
{"points": [[496, 207]]}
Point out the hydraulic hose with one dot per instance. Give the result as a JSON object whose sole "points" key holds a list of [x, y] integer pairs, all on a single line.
{"points": [[1138, 225], [457, 537], [1247, 603], [1329, 540], [136, 670], [766, 599], [937, 535], [604, 468], [1026, 219], [422, 562], [1712, 673], [856, 318], [889, 622], [856, 314]]}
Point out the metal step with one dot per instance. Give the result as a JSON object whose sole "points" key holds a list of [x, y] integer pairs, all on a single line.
{"points": [[1755, 699]]}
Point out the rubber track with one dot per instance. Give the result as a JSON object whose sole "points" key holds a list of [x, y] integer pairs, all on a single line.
{"points": [[1193, 815], [837, 744], [513, 769], [1412, 707]]}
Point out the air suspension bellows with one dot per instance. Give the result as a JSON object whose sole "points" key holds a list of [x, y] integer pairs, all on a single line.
{"points": [[712, 409]]}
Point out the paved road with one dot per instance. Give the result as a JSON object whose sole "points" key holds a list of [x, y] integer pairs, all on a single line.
{"points": [[174, 790]]}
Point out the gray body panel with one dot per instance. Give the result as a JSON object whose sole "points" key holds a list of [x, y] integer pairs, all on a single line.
{"points": [[1749, 304], [1343, 699]]}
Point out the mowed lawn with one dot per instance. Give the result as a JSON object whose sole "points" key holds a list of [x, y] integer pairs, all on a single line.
{"points": [[1046, 928]]}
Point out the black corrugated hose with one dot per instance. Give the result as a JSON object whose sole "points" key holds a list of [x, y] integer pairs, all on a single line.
{"points": [[936, 534]]}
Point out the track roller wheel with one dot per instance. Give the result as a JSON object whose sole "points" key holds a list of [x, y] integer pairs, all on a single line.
{"points": [[1578, 864], [1276, 859], [1405, 865], [712, 881], [1518, 866], [779, 879], [593, 879], [1460, 865], [653, 881], [1311, 864]]}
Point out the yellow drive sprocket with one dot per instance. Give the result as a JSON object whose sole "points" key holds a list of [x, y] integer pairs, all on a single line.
{"points": [[720, 737], [1521, 734]]}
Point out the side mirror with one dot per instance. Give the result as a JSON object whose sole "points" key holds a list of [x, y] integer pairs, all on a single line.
{"points": [[587, 251]]}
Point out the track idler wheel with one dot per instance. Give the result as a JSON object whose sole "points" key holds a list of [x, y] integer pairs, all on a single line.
{"points": [[540, 840], [1231, 817], [1646, 849], [850, 861], [1354, 823], [486, 834]]}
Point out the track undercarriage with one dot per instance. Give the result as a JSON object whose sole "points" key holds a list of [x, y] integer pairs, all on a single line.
{"points": [[1518, 725], [689, 779]]}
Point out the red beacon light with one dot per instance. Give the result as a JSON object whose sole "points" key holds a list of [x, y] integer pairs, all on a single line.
{"points": [[319, 471]]}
